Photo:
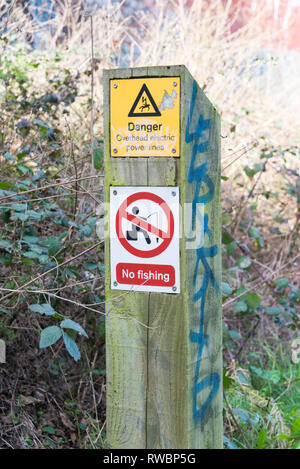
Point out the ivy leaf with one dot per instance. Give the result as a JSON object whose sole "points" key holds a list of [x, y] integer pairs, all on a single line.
{"points": [[71, 346], [49, 336], [69, 324]]}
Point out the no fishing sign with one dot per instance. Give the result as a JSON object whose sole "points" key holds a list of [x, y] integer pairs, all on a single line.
{"points": [[144, 117], [144, 239]]}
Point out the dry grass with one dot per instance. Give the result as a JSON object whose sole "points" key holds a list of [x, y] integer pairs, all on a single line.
{"points": [[255, 90]]}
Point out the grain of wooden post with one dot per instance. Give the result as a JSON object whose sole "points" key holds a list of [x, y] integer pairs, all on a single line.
{"points": [[164, 351]]}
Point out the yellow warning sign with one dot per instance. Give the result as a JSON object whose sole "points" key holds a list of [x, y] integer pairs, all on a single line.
{"points": [[144, 117]]}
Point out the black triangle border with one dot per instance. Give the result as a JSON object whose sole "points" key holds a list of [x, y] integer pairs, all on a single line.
{"points": [[157, 112]]}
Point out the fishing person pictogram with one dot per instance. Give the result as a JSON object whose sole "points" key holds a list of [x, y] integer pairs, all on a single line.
{"points": [[136, 233], [132, 235]]}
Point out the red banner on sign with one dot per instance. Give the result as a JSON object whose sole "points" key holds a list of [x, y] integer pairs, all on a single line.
{"points": [[146, 274]]}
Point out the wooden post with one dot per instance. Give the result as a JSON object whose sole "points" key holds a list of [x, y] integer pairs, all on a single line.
{"points": [[164, 351]]}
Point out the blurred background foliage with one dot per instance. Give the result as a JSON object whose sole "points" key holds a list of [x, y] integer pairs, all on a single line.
{"points": [[51, 251]]}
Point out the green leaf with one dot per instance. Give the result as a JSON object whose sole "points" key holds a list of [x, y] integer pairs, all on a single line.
{"points": [[20, 216], [227, 381], [49, 430], [273, 310], [242, 379], [5, 185], [49, 336], [244, 262], [296, 425], [30, 239], [226, 238], [282, 282], [44, 259], [241, 290], [86, 230], [234, 335], [260, 242], [253, 300], [54, 247], [226, 290], [6, 311], [19, 207], [262, 438], [41, 124], [259, 167], [42, 309], [245, 416], [229, 443], [90, 265], [230, 248], [71, 347], [35, 215], [69, 324], [250, 172], [31, 254], [98, 157], [8, 156], [240, 307], [253, 232], [5, 244]]}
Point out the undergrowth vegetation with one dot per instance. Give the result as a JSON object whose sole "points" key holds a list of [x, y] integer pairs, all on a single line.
{"points": [[52, 270]]}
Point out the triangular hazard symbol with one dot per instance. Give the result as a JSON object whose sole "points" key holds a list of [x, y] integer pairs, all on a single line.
{"points": [[144, 105]]}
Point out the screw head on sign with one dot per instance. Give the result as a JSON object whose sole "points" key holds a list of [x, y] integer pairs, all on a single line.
{"points": [[115, 192], [115, 85], [115, 284], [174, 288], [173, 193], [173, 150], [115, 150], [174, 83]]}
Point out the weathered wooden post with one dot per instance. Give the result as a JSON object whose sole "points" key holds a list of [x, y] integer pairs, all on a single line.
{"points": [[163, 277]]}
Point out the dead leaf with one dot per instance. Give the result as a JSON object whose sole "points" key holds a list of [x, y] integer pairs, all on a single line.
{"points": [[67, 422]]}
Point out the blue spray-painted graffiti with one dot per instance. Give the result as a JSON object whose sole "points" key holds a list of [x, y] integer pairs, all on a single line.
{"points": [[199, 176]]}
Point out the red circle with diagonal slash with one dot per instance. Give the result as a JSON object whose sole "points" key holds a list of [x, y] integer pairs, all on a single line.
{"points": [[166, 236]]}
